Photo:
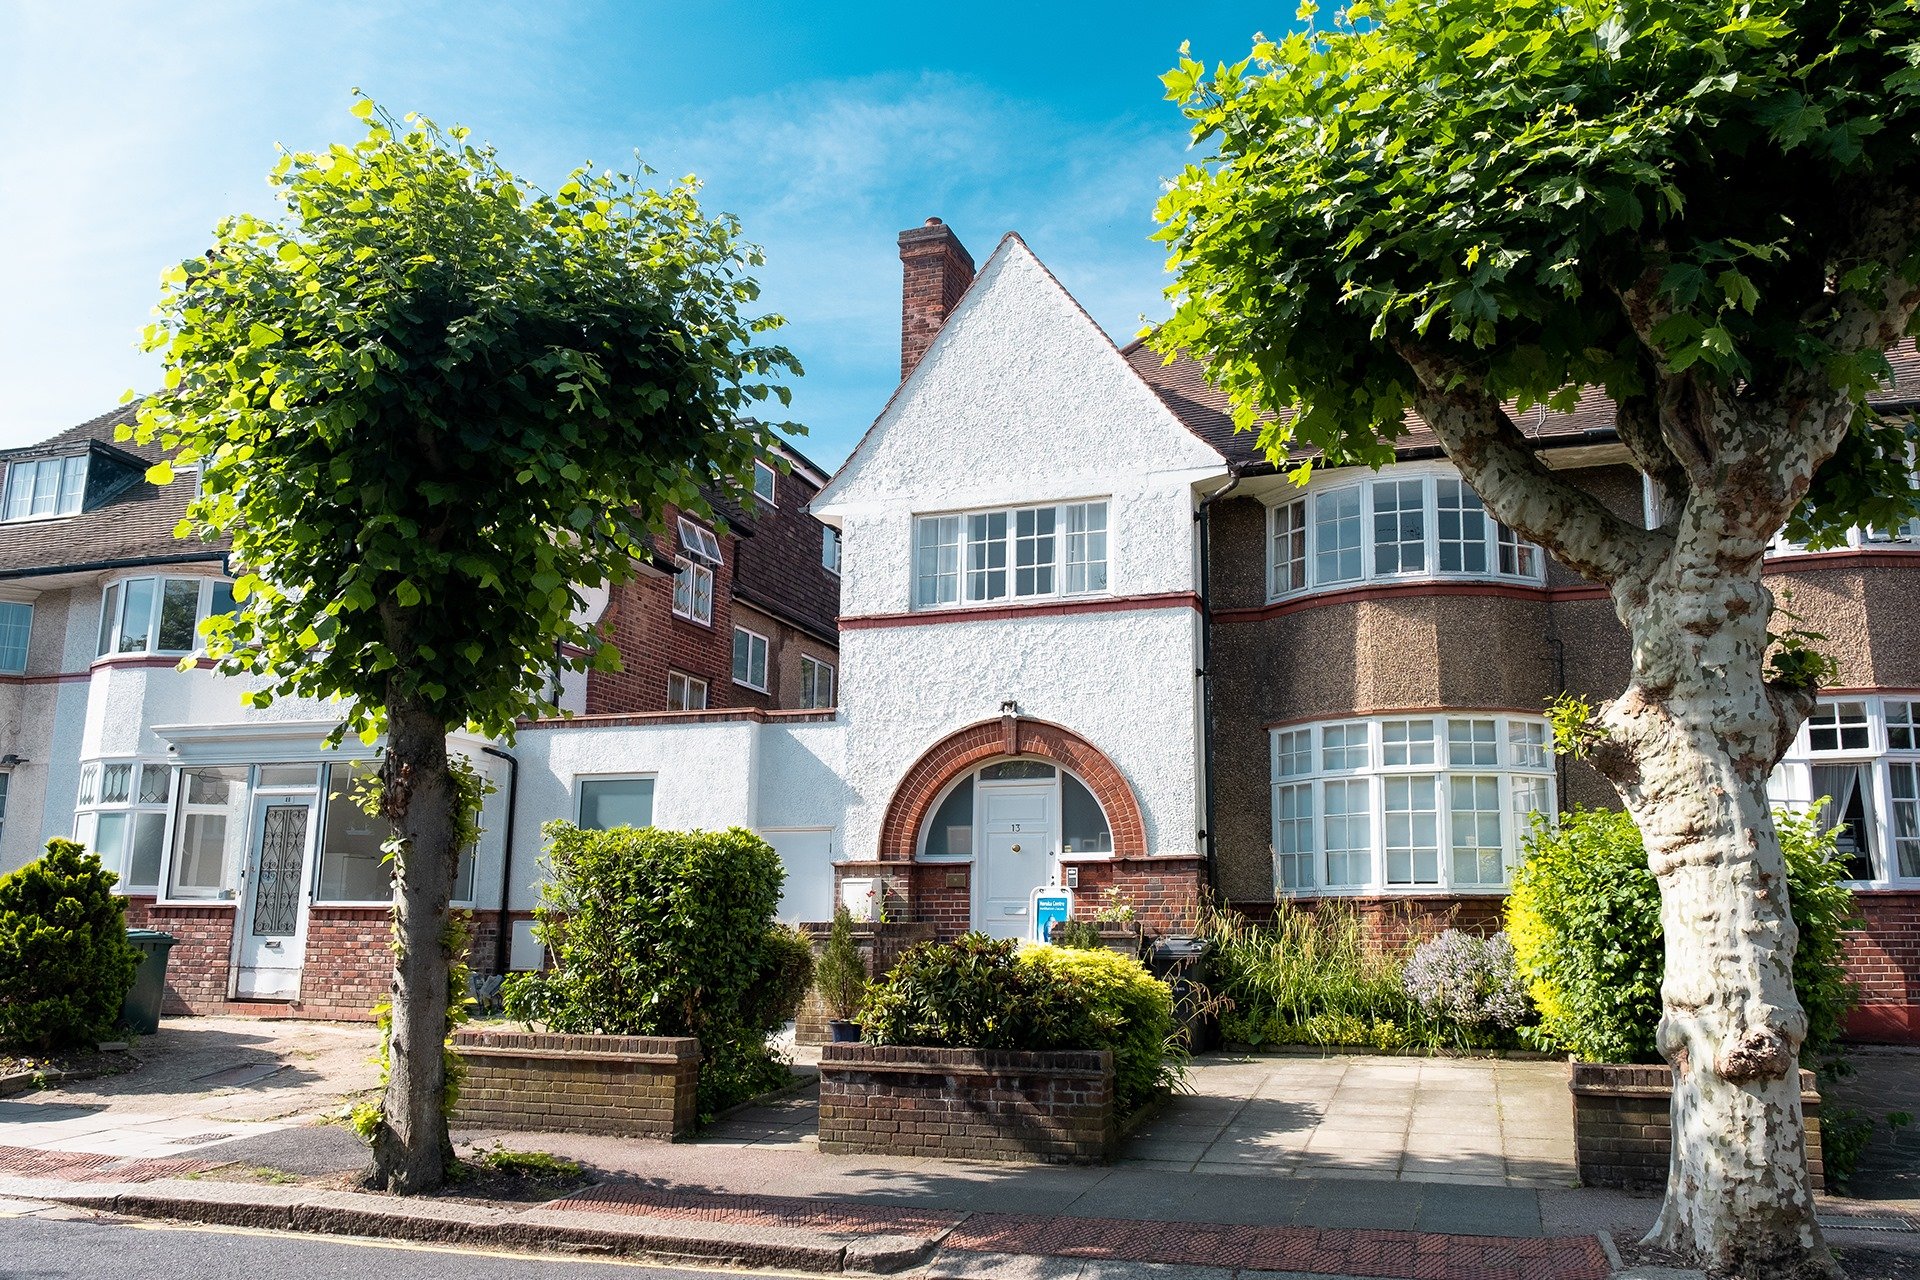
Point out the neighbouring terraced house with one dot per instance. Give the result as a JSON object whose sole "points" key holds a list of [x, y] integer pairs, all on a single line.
{"points": [[1084, 635]]}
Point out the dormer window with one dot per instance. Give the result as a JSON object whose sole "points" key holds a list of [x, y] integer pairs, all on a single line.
{"points": [[46, 487]]}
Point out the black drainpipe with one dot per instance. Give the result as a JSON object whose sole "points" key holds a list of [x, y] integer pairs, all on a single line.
{"points": [[1205, 673], [505, 938]]}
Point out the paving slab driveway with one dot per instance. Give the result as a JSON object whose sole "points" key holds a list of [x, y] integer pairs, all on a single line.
{"points": [[203, 1081], [1490, 1122]]}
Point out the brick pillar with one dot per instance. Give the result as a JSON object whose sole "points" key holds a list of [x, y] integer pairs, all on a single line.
{"points": [[935, 269]]}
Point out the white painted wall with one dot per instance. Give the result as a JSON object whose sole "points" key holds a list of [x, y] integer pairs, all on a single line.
{"points": [[1023, 399]]}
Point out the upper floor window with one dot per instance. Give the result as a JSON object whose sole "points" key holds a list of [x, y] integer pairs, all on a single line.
{"points": [[816, 683], [830, 548], [685, 692], [698, 542], [1406, 802], [764, 480], [1344, 532], [16, 627], [47, 487], [1019, 553], [750, 659], [159, 615], [1863, 755]]}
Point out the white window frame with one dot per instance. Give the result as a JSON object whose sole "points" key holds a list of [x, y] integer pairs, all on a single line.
{"points": [[693, 592], [688, 684], [1309, 761], [1296, 518], [26, 642], [113, 608], [581, 779], [762, 471], [699, 542], [1060, 772], [830, 549], [90, 806], [67, 494], [1792, 781], [766, 653], [979, 560], [819, 665]]}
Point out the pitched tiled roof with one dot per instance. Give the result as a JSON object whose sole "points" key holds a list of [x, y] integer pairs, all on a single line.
{"points": [[126, 519], [1182, 386]]}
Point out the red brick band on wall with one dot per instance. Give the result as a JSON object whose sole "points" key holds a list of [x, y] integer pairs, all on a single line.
{"points": [[1009, 736]]}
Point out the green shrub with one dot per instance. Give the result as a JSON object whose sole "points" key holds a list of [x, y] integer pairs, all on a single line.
{"points": [[65, 963], [979, 993], [1081, 934], [1130, 1013], [775, 998], [667, 933], [1584, 917], [840, 975]]}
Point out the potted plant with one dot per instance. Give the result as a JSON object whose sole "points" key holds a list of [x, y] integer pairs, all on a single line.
{"points": [[841, 979]]}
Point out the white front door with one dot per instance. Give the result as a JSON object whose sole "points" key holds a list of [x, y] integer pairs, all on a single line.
{"points": [[273, 930], [1019, 829]]}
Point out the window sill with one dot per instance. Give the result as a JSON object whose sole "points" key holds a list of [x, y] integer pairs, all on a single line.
{"points": [[756, 688], [197, 902], [1014, 602], [1406, 580]]}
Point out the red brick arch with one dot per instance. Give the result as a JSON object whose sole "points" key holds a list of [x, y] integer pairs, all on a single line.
{"points": [[989, 740]]}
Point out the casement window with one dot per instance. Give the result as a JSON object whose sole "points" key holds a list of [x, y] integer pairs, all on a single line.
{"points": [[764, 481], [16, 628], [47, 487], [1015, 554], [1862, 754], [604, 803], [1408, 524], [159, 615], [685, 692], [210, 832], [816, 683], [1406, 803], [120, 813], [693, 579], [830, 548], [750, 659]]}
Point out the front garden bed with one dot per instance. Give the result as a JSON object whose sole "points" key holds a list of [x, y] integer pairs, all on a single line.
{"points": [[1622, 1132], [1052, 1106], [625, 1086]]}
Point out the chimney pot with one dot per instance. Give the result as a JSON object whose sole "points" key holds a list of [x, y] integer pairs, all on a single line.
{"points": [[935, 270]]}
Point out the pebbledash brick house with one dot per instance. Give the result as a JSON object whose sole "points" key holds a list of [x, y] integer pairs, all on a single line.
{"points": [[1087, 637]]}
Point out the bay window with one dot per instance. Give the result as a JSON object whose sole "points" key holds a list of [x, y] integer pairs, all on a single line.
{"points": [[159, 615], [1862, 755], [1018, 553], [1405, 524], [1406, 803], [120, 813]]}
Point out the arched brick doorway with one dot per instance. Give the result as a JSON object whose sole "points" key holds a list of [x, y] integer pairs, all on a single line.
{"points": [[994, 739]]}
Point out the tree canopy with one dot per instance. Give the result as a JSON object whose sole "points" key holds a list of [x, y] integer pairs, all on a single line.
{"points": [[1547, 196], [428, 385]]}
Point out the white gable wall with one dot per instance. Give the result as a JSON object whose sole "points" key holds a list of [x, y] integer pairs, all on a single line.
{"points": [[1022, 399]]}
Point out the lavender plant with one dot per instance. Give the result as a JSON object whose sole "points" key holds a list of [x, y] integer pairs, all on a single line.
{"points": [[1470, 982]]}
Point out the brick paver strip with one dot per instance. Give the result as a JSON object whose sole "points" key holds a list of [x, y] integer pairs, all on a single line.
{"points": [[1385, 1255], [85, 1166], [770, 1211]]}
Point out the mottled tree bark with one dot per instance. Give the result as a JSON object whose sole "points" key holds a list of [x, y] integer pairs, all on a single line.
{"points": [[411, 1148], [1689, 746]]}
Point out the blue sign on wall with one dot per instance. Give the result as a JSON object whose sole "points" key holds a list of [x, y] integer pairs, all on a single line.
{"points": [[1050, 905]]}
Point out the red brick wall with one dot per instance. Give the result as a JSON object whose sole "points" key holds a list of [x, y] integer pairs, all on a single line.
{"points": [[200, 961], [641, 624], [1164, 893], [1884, 958]]}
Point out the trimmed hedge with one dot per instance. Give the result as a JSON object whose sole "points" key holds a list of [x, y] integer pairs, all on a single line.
{"points": [[669, 933], [65, 963], [980, 993], [1584, 916]]}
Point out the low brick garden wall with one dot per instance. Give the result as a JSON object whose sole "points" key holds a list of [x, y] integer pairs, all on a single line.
{"points": [[624, 1086], [1622, 1125], [967, 1104]]}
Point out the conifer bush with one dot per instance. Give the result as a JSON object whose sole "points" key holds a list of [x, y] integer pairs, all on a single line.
{"points": [[65, 963], [668, 933]]}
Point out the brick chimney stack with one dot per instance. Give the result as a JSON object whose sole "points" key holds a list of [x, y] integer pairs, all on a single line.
{"points": [[935, 270]]}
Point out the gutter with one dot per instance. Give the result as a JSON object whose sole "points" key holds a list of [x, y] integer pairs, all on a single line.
{"points": [[98, 566], [503, 938], [1202, 517]]}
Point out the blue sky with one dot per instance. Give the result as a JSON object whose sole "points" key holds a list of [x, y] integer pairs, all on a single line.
{"points": [[127, 130]]}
